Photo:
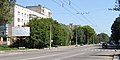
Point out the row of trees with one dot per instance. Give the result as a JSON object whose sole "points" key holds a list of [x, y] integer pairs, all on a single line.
{"points": [[87, 35], [61, 34], [40, 33]]}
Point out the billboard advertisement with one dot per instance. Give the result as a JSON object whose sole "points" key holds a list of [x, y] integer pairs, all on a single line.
{"points": [[20, 31]]}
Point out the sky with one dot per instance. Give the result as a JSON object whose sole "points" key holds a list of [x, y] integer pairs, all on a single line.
{"points": [[94, 13]]}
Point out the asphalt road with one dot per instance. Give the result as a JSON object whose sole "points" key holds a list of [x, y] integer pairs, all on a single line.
{"points": [[89, 52]]}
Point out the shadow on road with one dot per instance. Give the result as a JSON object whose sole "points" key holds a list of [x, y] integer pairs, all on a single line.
{"points": [[108, 56], [104, 55], [108, 48]]}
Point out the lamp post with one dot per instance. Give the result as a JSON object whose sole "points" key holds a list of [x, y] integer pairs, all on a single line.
{"points": [[50, 37]]}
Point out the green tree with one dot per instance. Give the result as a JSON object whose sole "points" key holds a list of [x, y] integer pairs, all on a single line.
{"points": [[89, 32], [12, 2], [5, 14], [80, 35], [61, 34], [103, 37], [116, 30], [40, 33], [96, 39], [85, 35]]}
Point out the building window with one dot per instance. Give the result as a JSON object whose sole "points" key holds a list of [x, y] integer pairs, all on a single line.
{"points": [[43, 10], [24, 24], [22, 20], [18, 25], [25, 14], [22, 14], [28, 15], [49, 14], [18, 13], [3, 33], [18, 19]]}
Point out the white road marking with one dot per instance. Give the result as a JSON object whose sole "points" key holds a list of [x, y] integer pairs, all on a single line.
{"points": [[70, 56], [51, 55]]}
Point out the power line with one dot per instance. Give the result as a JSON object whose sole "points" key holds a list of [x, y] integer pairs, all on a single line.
{"points": [[71, 6], [77, 12], [62, 3], [71, 3], [82, 14], [67, 9]]}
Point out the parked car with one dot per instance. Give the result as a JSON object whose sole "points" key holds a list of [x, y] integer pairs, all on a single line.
{"points": [[108, 45], [104, 45]]}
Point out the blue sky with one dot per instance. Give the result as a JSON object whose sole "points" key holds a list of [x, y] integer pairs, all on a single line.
{"points": [[65, 11]]}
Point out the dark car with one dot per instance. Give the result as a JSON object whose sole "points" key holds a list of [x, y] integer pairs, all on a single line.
{"points": [[108, 45], [104, 45]]}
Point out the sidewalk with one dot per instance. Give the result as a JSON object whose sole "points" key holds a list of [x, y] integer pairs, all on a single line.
{"points": [[13, 52], [116, 55]]}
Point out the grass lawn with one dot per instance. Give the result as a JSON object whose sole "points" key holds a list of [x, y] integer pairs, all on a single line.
{"points": [[2, 48]]}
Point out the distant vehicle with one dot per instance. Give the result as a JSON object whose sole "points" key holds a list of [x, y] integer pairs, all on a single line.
{"points": [[104, 45], [108, 45]]}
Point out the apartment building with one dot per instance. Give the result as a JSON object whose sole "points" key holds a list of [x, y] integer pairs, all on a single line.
{"points": [[72, 26], [21, 16]]}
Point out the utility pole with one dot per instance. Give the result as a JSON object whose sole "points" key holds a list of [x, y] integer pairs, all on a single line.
{"points": [[76, 36], [88, 39], [50, 37], [93, 39]]}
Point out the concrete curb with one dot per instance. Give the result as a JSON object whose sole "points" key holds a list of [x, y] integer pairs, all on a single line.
{"points": [[13, 52], [116, 57]]}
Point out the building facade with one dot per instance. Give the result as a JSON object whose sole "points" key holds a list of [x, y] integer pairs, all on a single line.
{"points": [[72, 26], [21, 16]]}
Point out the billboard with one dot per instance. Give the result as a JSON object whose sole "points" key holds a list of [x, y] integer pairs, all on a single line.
{"points": [[20, 31]]}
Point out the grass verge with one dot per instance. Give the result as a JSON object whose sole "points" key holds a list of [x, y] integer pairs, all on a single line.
{"points": [[2, 48]]}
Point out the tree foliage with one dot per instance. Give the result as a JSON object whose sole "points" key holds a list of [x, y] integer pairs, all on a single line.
{"points": [[84, 34], [103, 37], [40, 33], [89, 32], [60, 34], [5, 14], [116, 30]]}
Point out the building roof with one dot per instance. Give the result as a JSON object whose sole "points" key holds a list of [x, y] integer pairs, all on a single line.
{"points": [[38, 6], [32, 6]]}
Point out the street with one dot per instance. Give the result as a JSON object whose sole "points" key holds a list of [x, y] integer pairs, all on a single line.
{"points": [[88, 52]]}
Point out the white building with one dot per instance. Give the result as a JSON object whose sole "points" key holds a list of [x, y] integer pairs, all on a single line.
{"points": [[21, 16]]}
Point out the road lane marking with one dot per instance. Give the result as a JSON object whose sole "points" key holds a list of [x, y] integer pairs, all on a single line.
{"points": [[45, 56], [70, 56], [51, 55]]}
